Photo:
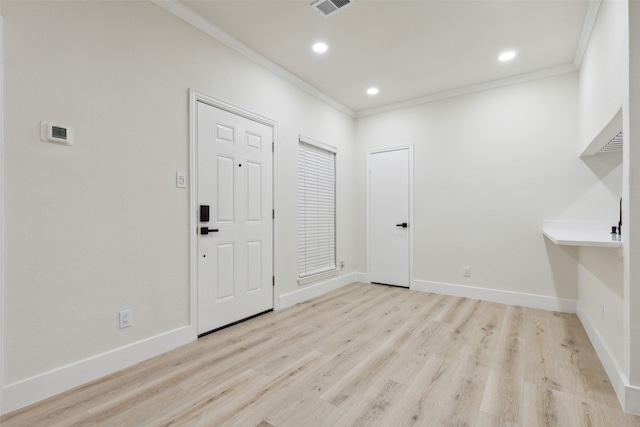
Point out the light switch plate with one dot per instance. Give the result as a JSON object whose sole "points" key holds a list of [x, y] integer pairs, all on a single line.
{"points": [[181, 179]]}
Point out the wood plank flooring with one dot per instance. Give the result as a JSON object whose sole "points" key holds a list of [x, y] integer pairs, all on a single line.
{"points": [[363, 355]]}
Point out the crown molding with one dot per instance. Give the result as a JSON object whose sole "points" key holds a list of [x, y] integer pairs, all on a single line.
{"points": [[181, 11], [191, 17], [585, 35], [470, 89], [587, 29]]}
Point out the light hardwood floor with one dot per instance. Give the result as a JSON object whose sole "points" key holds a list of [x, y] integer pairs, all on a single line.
{"points": [[364, 355]]}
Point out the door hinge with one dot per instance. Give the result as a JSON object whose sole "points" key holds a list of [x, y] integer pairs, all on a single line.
{"points": [[273, 282], [273, 214], [273, 146]]}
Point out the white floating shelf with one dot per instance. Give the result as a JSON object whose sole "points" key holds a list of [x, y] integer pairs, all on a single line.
{"points": [[582, 233]]}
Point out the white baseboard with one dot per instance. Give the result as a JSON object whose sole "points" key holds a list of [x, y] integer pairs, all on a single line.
{"points": [[495, 295], [628, 395], [31, 390], [631, 399], [26, 392], [311, 291]]}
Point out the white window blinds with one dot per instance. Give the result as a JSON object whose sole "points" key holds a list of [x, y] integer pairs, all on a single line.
{"points": [[316, 208]]}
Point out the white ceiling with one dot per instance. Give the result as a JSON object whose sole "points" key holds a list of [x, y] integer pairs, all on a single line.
{"points": [[410, 50]]}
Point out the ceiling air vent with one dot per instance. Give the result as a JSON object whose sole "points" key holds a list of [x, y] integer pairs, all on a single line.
{"points": [[614, 145], [329, 7]]}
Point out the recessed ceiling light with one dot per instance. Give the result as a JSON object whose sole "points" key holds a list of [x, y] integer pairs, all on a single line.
{"points": [[373, 91], [320, 47], [506, 56]]}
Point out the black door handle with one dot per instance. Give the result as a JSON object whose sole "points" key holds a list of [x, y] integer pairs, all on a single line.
{"points": [[206, 230], [403, 225]]}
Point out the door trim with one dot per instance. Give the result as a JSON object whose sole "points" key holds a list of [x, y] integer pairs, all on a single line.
{"points": [[194, 98], [411, 216], [2, 320]]}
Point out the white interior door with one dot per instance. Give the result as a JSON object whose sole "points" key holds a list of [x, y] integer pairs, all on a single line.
{"points": [[389, 215], [235, 266]]}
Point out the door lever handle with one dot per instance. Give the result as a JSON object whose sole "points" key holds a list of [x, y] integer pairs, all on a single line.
{"points": [[206, 230], [403, 225]]}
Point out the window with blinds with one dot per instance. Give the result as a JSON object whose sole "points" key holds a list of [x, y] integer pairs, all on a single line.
{"points": [[316, 210]]}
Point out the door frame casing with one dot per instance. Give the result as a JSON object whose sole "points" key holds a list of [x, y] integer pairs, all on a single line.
{"points": [[2, 312], [194, 98], [408, 147]]}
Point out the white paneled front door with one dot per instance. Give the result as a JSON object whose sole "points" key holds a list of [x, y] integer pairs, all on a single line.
{"points": [[389, 216], [235, 246]]}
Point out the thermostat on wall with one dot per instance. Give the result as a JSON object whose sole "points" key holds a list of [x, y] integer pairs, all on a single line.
{"points": [[56, 133]]}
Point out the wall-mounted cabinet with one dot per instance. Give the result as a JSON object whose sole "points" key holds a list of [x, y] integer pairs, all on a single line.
{"points": [[609, 139]]}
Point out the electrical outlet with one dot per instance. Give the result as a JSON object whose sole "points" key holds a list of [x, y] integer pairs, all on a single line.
{"points": [[467, 272], [125, 319], [341, 264]]}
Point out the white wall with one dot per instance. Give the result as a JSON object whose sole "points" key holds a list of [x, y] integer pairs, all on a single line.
{"points": [[603, 75], [490, 167], [607, 283], [100, 226], [632, 279], [601, 297]]}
